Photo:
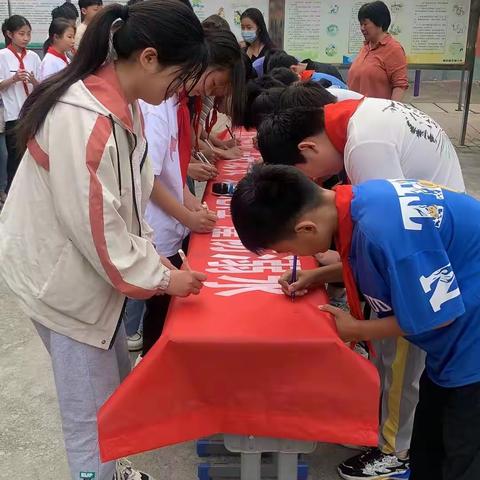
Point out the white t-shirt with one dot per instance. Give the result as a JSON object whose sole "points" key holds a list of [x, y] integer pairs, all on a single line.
{"points": [[50, 65], [343, 94], [161, 131], [387, 139], [14, 96]]}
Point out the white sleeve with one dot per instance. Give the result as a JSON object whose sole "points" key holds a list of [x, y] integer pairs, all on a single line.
{"points": [[3, 69], [47, 68], [158, 137], [372, 160]]}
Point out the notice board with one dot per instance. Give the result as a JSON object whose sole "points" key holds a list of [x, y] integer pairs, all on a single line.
{"points": [[431, 31], [38, 13]]}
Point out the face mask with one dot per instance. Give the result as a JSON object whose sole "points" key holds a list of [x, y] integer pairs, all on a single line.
{"points": [[249, 35]]}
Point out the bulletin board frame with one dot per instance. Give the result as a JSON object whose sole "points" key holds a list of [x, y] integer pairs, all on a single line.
{"points": [[277, 29]]}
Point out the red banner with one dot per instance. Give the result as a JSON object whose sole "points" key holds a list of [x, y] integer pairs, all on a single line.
{"points": [[242, 358]]}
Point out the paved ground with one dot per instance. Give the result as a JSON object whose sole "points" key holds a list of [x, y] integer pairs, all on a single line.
{"points": [[30, 435]]}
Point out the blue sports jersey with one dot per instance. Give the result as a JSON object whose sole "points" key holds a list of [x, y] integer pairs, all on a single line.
{"points": [[317, 76], [416, 254]]}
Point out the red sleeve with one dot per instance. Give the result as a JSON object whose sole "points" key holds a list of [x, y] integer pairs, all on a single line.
{"points": [[396, 67]]}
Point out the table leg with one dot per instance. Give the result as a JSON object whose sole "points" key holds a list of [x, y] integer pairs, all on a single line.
{"points": [[287, 465], [251, 466]]}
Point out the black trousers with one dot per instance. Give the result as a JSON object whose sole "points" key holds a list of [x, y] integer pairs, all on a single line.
{"points": [[156, 309], [14, 154], [446, 433]]}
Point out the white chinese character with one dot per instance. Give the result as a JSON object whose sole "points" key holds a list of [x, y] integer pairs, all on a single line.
{"points": [[230, 246], [237, 286], [257, 265], [224, 232]]}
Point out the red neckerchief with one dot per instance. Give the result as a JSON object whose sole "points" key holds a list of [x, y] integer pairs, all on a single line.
{"points": [[337, 116], [57, 54], [306, 75], [184, 135], [211, 119], [21, 65], [343, 242]]}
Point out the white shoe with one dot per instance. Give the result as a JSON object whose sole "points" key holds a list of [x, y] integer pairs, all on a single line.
{"points": [[135, 342], [124, 471]]}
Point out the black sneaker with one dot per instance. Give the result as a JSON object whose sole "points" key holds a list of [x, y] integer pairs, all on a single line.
{"points": [[374, 465]]}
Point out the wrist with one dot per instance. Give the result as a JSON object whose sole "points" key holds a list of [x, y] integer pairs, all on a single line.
{"points": [[318, 277], [165, 282], [358, 331], [187, 218]]}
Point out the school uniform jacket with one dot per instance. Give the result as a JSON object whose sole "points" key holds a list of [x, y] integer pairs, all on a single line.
{"points": [[73, 242]]}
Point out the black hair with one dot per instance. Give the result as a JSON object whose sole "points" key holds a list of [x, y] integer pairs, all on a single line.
{"points": [[89, 3], [134, 2], [266, 81], [377, 12], [225, 52], [216, 21], [67, 10], [255, 15], [254, 89], [308, 94], [268, 202], [86, 4], [166, 25], [265, 104], [281, 132], [284, 75], [12, 25], [279, 58], [58, 27]]}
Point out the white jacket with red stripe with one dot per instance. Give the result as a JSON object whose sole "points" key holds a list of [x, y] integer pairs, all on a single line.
{"points": [[73, 242]]}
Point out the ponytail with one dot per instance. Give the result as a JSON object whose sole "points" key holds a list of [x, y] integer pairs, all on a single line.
{"points": [[166, 25]]}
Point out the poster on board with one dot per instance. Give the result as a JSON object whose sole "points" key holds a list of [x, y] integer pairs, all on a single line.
{"points": [[431, 31], [39, 14], [3, 11], [230, 10]]}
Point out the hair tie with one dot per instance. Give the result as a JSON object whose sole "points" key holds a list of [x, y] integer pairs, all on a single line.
{"points": [[125, 13]]}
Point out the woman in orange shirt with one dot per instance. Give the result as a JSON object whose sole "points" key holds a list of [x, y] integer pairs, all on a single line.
{"points": [[380, 69]]}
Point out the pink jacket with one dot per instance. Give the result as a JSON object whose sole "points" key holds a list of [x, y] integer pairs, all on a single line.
{"points": [[73, 242]]}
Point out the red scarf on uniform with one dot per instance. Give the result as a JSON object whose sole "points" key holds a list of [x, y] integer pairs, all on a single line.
{"points": [[57, 54], [337, 117], [306, 75], [343, 242], [21, 65], [184, 135]]}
